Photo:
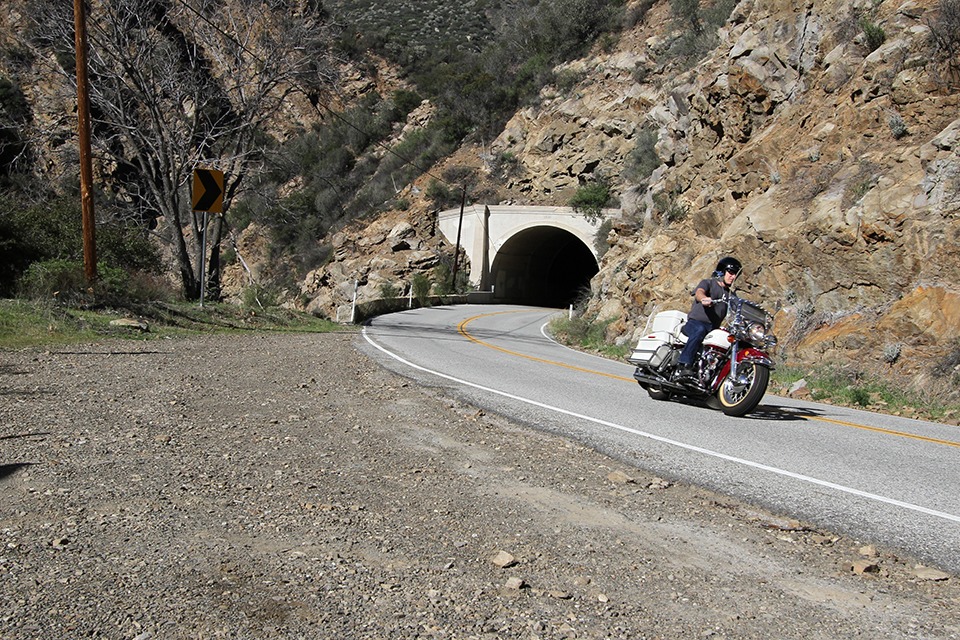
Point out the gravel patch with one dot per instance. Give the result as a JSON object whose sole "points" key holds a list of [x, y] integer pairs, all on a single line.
{"points": [[286, 486]]}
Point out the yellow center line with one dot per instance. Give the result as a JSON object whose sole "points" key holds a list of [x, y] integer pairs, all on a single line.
{"points": [[462, 330], [889, 432]]}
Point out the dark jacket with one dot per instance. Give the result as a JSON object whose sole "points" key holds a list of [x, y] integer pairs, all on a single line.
{"points": [[715, 313]]}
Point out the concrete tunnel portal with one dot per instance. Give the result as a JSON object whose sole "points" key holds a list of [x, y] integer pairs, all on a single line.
{"points": [[526, 254], [542, 266]]}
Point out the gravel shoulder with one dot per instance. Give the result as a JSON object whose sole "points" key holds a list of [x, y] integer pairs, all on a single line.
{"points": [[287, 486]]}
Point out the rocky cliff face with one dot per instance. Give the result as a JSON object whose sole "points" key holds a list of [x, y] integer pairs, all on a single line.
{"points": [[832, 171], [829, 167]]}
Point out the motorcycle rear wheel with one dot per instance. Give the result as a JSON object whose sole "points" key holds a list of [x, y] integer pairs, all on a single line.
{"points": [[739, 403]]}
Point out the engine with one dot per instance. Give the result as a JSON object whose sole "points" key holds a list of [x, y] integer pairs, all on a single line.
{"points": [[710, 360]]}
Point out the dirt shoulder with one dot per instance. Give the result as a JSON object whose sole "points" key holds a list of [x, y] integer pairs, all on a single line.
{"points": [[286, 486]]}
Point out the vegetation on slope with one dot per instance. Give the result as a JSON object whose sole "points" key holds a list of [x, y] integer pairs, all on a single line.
{"points": [[475, 61]]}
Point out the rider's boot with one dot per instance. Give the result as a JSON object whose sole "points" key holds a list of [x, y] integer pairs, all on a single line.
{"points": [[684, 371]]}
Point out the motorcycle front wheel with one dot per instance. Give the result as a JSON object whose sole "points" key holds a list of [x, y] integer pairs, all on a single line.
{"points": [[738, 402]]}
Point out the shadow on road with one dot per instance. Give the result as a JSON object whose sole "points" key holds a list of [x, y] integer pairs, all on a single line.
{"points": [[774, 412]]}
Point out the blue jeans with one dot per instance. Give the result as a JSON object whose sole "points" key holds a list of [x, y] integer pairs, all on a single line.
{"points": [[696, 331]]}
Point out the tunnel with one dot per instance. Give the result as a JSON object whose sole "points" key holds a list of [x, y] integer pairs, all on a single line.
{"points": [[542, 266]]}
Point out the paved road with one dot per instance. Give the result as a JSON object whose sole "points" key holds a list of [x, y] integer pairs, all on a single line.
{"points": [[879, 479]]}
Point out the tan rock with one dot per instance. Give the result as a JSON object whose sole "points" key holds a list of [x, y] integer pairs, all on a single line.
{"points": [[503, 559], [928, 573], [131, 323], [515, 584], [619, 477], [864, 567]]}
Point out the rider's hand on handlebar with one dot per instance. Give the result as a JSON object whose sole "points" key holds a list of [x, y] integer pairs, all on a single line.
{"points": [[706, 301]]}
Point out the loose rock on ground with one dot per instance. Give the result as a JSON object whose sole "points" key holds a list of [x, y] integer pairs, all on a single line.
{"points": [[286, 486]]}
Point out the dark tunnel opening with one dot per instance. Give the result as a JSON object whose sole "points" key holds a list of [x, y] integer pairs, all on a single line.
{"points": [[542, 266]]}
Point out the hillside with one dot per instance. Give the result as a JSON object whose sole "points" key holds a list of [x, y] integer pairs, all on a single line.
{"points": [[831, 170], [818, 143]]}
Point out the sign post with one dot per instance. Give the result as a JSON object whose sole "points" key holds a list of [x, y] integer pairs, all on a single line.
{"points": [[208, 198]]}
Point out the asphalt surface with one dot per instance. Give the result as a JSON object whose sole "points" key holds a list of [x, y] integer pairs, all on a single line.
{"points": [[877, 478]]}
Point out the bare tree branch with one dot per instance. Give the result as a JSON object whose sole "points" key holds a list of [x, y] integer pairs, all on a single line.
{"points": [[177, 84]]}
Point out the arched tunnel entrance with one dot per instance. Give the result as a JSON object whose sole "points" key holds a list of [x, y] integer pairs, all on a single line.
{"points": [[542, 266]]}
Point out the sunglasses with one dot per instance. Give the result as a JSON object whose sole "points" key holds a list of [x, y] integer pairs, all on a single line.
{"points": [[732, 270]]}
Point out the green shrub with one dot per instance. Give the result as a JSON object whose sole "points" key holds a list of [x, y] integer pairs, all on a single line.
{"points": [[873, 34], [504, 165], [600, 241], [62, 280], [459, 175], [860, 189], [389, 290], [51, 230], [698, 26], [586, 334], [441, 194], [406, 101], [259, 296], [567, 79], [65, 281], [686, 13], [669, 207], [897, 126], [443, 278], [643, 160], [421, 289], [590, 199]]}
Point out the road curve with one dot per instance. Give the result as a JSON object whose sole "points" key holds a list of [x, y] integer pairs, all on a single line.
{"points": [[876, 478]]}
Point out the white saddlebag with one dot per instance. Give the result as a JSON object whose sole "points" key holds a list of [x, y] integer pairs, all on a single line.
{"points": [[670, 322], [651, 349], [654, 347]]}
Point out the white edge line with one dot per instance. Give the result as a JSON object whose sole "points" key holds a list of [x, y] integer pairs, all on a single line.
{"points": [[543, 332], [675, 443]]}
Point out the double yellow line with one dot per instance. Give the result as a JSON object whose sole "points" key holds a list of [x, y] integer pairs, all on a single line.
{"points": [[462, 330]]}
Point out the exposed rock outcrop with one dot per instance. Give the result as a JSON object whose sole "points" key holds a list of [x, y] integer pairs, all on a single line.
{"points": [[830, 170]]}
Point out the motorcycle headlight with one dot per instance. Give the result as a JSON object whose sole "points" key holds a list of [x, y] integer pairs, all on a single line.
{"points": [[756, 333]]}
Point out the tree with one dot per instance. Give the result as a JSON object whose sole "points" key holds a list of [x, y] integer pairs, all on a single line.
{"points": [[14, 115], [179, 84]]}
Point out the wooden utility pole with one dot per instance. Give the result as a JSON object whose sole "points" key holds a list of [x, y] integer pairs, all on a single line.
{"points": [[86, 166]]}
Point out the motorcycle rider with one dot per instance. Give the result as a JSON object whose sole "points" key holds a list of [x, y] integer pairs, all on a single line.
{"points": [[707, 312]]}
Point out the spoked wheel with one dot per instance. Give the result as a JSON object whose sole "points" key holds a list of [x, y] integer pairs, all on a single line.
{"points": [[738, 398]]}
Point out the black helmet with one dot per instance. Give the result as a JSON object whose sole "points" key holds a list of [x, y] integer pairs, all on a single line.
{"points": [[729, 264]]}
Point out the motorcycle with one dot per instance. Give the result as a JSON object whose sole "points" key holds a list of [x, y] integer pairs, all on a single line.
{"points": [[733, 366]]}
